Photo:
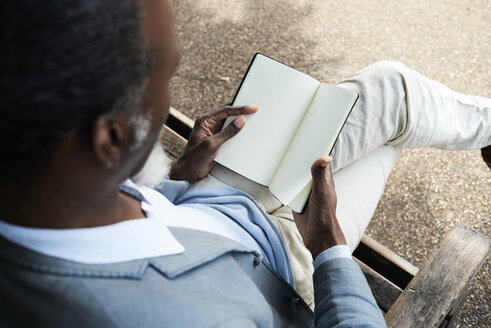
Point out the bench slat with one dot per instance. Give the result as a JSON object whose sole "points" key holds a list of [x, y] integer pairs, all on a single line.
{"points": [[435, 290], [172, 142], [389, 255]]}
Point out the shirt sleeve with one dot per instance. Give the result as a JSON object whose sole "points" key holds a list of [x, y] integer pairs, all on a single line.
{"points": [[332, 253]]}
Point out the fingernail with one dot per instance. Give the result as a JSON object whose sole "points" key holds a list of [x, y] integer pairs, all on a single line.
{"points": [[254, 107], [327, 160], [239, 122]]}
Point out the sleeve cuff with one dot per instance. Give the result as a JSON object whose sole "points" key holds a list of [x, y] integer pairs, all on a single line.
{"points": [[332, 253]]}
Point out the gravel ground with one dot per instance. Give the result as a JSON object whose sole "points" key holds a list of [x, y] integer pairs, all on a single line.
{"points": [[429, 190]]}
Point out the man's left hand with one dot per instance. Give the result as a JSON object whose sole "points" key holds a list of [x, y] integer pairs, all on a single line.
{"points": [[206, 138], [318, 225]]}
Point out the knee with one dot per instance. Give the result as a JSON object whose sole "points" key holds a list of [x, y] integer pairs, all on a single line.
{"points": [[386, 70]]}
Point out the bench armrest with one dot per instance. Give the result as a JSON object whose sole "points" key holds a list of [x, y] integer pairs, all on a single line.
{"points": [[437, 288]]}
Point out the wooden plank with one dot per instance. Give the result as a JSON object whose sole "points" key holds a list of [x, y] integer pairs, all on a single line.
{"points": [[435, 290], [179, 123], [385, 262], [451, 318], [384, 291], [389, 255], [181, 117], [172, 142]]}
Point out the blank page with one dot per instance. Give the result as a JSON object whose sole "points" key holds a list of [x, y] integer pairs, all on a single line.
{"points": [[315, 137], [282, 95]]}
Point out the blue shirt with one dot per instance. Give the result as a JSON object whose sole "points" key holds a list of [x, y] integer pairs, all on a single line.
{"points": [[239, 207]]}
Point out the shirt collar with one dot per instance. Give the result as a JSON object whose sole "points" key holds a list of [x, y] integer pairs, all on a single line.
{"points": [[124, 241]]}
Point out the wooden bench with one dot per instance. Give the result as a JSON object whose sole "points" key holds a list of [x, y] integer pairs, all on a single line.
{"points": [[409, 297]]}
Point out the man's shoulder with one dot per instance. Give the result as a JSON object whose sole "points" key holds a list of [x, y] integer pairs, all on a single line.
{"points": [[169, 289]]}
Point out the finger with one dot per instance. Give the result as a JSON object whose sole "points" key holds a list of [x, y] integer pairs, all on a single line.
{"points": [[231, 130], [321, 172], [227, 111]]}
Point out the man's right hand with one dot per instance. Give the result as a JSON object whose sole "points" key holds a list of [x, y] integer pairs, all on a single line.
{"points": [[206, 138], [318, 225]]}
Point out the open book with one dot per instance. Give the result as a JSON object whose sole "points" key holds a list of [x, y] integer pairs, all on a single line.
{"points": [[299, 120]]}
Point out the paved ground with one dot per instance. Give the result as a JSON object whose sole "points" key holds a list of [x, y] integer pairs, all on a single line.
{"points": [[450, 41]]}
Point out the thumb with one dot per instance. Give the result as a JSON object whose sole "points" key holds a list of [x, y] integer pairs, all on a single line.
{"points": [[230, 130], [321, 172]]}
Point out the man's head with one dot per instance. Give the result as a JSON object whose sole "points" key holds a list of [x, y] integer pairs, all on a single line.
{"points": [[82, 78]]}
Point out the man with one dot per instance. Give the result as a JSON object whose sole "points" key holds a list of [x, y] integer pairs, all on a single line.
{"points": [[85, 90]]}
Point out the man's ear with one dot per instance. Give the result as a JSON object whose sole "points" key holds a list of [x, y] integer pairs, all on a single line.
{"points": [[108, 140]]}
